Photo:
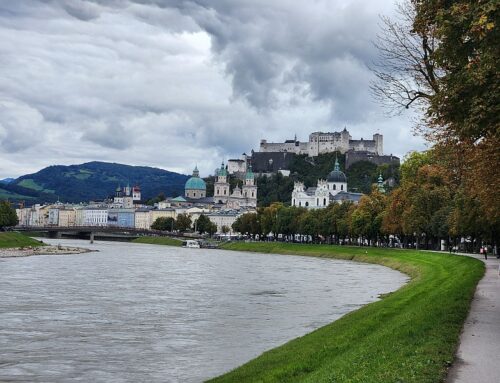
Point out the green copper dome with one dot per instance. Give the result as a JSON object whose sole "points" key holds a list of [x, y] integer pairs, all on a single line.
{"points": [[195, 183]]}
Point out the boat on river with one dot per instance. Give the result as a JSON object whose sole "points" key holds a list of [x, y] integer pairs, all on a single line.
{"points": [[192, 244]]}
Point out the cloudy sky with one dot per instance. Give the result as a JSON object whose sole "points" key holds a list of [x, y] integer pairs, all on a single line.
{"points": [[172, 83]]}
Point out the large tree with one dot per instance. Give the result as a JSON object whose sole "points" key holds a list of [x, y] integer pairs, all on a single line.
{"points": [[443, 57], [8, 216]]}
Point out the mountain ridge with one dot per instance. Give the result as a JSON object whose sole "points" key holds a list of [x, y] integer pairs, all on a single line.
{"points": [[94, 180]]}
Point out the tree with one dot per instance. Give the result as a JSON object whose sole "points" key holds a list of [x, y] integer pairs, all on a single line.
{"points": [[248, 223], [163, 224], [225, 229], [8, 216], [183, 222], [204, 225]]}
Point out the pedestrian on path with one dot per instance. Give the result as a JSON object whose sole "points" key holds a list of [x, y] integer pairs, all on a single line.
{"points": [[485, 252]]}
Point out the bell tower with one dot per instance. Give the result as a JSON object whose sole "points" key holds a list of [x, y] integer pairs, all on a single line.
{"points": [[221, 186]]}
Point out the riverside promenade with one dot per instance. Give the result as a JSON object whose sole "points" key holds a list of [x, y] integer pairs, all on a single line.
{"points": [[479, 350]]}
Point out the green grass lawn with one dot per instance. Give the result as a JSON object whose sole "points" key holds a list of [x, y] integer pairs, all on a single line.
{"points": [[12, 239], [159, 241], [409, 336]]}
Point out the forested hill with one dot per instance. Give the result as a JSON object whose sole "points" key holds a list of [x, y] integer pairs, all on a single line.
{"points": [[91, 181]]}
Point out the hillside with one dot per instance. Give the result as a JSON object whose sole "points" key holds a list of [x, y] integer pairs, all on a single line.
{"points": [[91, 181]]}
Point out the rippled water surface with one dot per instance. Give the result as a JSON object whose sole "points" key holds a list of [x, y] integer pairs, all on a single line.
{"points": [[145, 313]]}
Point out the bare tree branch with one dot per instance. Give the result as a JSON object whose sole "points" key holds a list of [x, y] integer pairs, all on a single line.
{"points": [[405, 72]]}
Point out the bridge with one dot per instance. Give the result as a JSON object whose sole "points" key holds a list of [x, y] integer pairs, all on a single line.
{"points": [[101, 232]]}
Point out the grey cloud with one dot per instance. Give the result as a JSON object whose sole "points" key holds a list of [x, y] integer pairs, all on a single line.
{"points": [[173, 83]]}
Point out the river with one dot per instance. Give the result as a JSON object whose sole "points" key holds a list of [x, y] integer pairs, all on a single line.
{"points": [[146, 313]]}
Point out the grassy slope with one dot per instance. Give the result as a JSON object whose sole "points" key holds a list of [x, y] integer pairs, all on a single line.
{"points": [[159, 241], [409, 336], [17, 240]]}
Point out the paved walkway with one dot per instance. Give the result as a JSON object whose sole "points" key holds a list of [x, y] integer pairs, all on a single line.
{"points": [[478, 356]]}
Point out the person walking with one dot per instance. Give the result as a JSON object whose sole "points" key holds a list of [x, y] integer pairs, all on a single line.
{"points": [[485, 252]]}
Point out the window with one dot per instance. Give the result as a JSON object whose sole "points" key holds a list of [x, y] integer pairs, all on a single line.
{"points": [[334, 187], [341, 187], [293, 202], [300, 203], [324, 201], [307, 204], [317, 201]]}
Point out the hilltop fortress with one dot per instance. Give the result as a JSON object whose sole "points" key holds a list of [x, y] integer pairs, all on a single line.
{"points": [[320, 143]]}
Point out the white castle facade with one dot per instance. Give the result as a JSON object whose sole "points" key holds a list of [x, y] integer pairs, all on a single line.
{"points": [[320, 143]]}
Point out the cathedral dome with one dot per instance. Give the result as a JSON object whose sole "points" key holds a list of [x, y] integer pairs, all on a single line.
{"points": [[336, 175], [195, 182]]}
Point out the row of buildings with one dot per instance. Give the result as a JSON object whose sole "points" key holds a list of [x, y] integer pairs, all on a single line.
{"points": [[125, 209]]}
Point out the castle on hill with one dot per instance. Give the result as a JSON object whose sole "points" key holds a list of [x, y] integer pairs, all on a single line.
{"points": [[320, 142]]}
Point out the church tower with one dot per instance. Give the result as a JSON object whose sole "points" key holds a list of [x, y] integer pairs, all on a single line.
{"points": [[221, 186], [249, 188]]}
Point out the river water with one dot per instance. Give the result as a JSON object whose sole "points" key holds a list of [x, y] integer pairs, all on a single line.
{"points": [[145, 313]]}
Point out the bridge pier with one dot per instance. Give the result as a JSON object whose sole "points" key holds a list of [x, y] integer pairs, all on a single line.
{"points": [[54, 234]]}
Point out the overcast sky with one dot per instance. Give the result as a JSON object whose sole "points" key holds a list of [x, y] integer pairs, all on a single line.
{"points": [[173, 84]]}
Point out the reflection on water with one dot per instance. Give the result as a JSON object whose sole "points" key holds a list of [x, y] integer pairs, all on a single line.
{"points": [[133, 313]]}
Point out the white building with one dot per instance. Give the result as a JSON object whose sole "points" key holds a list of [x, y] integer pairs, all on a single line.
{"points": [[331, 190], [224, 218], [95, 216], [325, 142]]}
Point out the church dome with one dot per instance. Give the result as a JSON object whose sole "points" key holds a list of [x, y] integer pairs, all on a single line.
{"points": [[195, 182], [336, 175]]}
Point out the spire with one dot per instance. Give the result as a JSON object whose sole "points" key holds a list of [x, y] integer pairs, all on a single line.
{"points": [[380, 183], [196, 172], [222, 172], [337, 166], [249, 174]]}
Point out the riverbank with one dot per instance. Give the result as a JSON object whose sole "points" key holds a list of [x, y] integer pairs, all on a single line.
{"points": [[409, 336], [13, 239], [158, 241], [29, 251]]}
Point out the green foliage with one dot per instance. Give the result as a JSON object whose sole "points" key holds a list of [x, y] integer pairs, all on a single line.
{"points": [[273, 189], [183, 222], [247, 224], [8, 216], [467, 104], [204, 225], [412, 162], [410, 335], [361, 175], [163, 224], [160, 197]]}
